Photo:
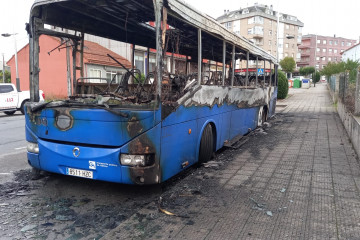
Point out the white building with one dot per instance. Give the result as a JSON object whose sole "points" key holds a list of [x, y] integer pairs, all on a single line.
{"points": [[352, 53]]}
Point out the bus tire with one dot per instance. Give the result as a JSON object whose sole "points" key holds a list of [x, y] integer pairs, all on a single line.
{"points": [[22, 108], [9, 113], [206, 144]]}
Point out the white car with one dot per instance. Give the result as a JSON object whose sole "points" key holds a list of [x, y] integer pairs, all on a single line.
{"points": [[11, 100]]}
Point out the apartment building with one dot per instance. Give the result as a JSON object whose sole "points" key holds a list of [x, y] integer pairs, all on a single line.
{"points": [[259, 24], [318, 50]]}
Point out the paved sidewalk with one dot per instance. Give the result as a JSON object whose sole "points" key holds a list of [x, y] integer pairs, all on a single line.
{"points": [[299, 179]]}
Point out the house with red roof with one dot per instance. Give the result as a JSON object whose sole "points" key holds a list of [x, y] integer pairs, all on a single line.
{"points": [[53, 65]]}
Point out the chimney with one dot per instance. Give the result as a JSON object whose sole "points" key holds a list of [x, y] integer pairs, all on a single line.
{"points": [[334, 35], [271, 7]]}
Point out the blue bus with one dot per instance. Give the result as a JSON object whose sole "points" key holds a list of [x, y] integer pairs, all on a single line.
{"points": [[145, 127]]}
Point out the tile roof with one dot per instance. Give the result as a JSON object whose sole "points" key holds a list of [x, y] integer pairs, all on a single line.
{"points": [[96, 54]]}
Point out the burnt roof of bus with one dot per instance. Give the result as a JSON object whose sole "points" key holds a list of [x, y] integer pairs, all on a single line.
{"points": [[127, 21]]}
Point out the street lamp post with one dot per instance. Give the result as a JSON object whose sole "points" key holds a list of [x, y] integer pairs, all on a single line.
{"points": [[3, 70], [16, 59]]}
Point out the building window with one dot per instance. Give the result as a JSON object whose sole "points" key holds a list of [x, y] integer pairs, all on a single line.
{"points": [[227, 25], [286, 54], [256, 30], [335, 50], [342, 50], [324, 41], [335, 42], [110, 75], [329, 59], [317, 66], [287, 26], [256, 19], [292, 55], [348, 44], [287, 45], [317, 58], [152, 63], [270, 32], [324, 49], [323, 59], [330, 42], [330, 50], [139, 61], [269, 42], [318, 49], [318, 41], [95, 73], [342, 43]]}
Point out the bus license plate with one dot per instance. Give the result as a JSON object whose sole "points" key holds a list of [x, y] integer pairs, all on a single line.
{"points": [[79, 173]]}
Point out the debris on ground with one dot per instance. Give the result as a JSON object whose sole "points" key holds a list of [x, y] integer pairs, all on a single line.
{"points": [[259, 205], [212, 164], [283, 190], [269, 213]]}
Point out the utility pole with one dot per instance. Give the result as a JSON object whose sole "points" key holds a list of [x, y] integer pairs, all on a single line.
{"points": [[3, 69], [16, 59]]}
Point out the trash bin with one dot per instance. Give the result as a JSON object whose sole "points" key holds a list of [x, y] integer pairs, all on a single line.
{"points": [[290, 82], [297, 83], [305, 83]]}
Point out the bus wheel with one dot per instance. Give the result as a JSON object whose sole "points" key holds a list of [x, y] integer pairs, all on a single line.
{"points": [[9, 112], [206, 144]]}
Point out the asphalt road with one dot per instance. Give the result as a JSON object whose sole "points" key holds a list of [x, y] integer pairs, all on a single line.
{"points": [[12, 145]]}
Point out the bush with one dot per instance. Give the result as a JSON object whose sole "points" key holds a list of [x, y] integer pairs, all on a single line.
{"points": [[283, 85]]}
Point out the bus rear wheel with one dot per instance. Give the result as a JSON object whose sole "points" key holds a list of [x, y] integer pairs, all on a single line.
{"points": [[206, 144]]}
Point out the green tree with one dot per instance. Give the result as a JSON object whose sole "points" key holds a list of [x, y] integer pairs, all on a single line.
{"points": [[283, 85], [353, 68], [139, 77], [316, 77], [306, 70], [288, 64], [7, 76]]}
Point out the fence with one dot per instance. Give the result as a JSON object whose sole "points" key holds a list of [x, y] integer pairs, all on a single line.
{"points": [[348, 92]]}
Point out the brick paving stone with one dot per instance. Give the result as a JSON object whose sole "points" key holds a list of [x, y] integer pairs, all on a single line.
{"points": [[306, 153]]}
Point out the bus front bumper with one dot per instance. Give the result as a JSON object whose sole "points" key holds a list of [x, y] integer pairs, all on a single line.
{"points": [[89, 162]]}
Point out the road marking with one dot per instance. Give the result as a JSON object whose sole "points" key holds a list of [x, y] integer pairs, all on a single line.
{"points": [[13, 153], [5, 173], [19, 148]]}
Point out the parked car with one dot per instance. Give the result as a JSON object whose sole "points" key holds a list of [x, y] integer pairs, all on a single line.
{"points": [[11, 100]]}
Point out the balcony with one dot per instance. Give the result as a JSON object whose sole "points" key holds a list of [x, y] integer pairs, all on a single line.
{"points": [[305, 54], [258, 35], [303, 63], [304, 46]]}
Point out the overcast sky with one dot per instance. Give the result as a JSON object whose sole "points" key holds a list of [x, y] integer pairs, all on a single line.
{"points": [[319, 16]]}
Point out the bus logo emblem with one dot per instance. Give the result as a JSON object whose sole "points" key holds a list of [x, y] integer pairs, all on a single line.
{"points": [[92, 165], [76, 151]]}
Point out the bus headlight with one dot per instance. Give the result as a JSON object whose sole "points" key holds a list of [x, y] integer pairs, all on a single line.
{"points": [[137, 160], [32, 147]]}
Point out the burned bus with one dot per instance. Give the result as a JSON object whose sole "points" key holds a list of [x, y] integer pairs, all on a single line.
{"points": [[144, 130]]}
